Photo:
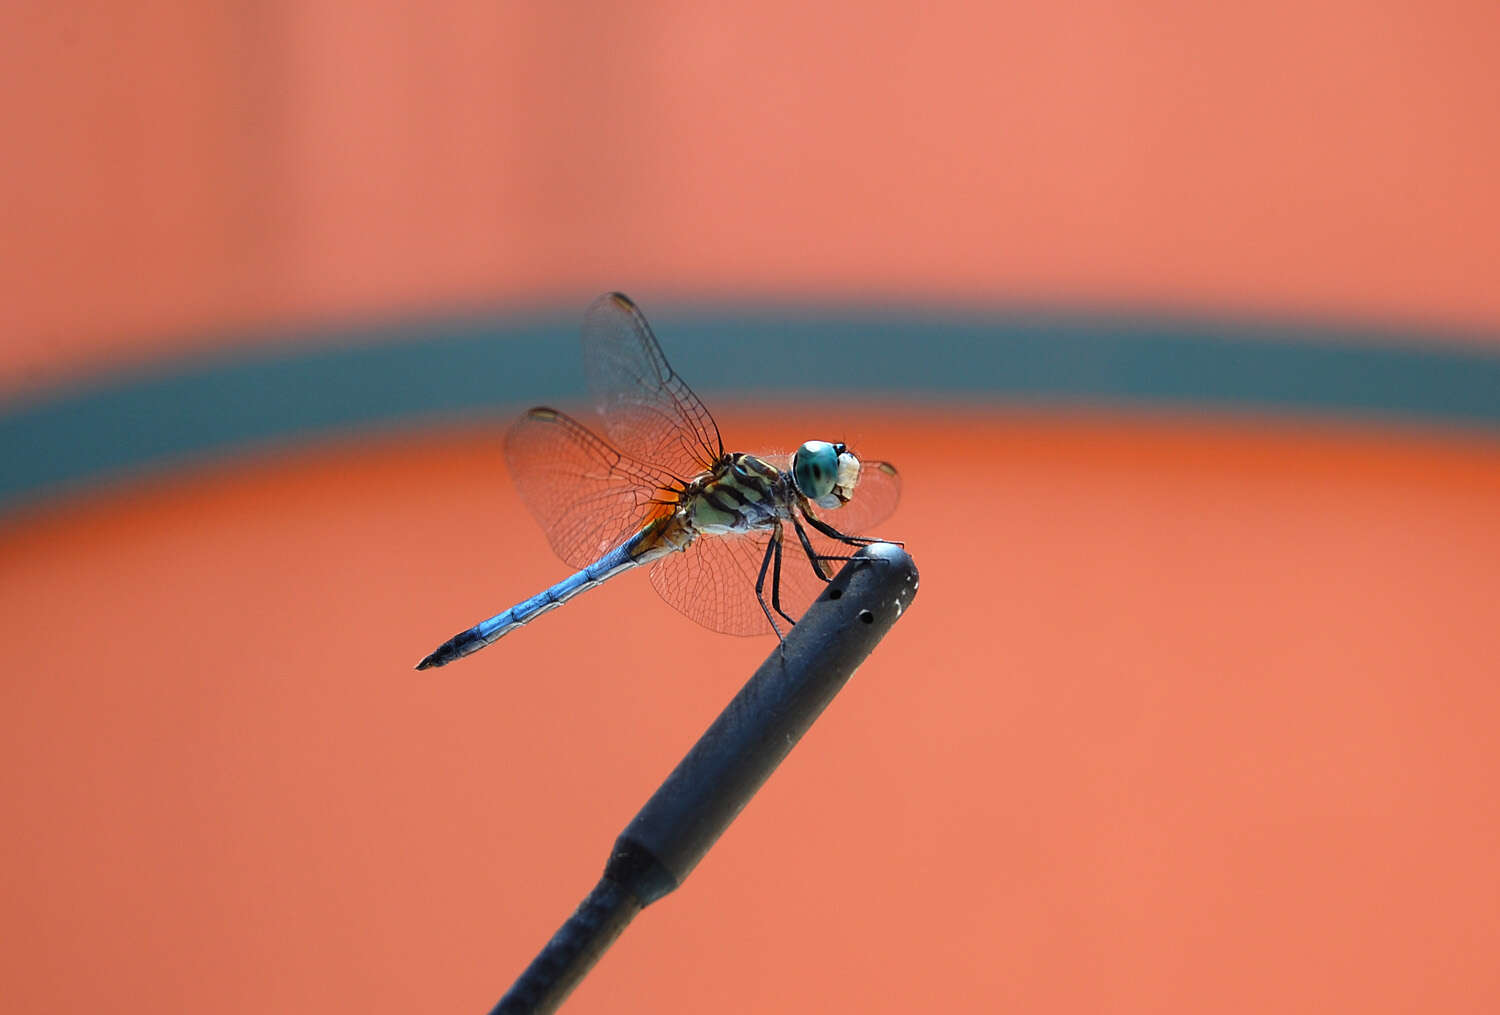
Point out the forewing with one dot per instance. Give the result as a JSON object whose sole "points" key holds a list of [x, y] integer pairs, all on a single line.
{"points": [[587, 496], [649, 412]]}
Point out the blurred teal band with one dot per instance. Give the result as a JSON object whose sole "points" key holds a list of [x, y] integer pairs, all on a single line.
{"points": [[422, 372]]}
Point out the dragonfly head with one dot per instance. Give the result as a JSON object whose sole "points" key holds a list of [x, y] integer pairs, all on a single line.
{"points": [[825, 473]]}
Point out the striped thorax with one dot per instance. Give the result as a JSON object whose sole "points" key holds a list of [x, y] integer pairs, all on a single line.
{"points": [[742, 495]]}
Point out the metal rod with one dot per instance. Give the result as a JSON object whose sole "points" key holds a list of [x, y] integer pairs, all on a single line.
{"points": [[725, 768]]}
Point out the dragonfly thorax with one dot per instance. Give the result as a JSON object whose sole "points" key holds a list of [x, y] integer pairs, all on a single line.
{"points": [[742, 494]]}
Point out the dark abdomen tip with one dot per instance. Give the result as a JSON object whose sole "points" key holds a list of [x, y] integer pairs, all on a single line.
{"points": [[455, 647]]}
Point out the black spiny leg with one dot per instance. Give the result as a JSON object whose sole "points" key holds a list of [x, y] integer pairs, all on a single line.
{"points": [[772, 549], [776, 577], [833, 533], [817, 559]]}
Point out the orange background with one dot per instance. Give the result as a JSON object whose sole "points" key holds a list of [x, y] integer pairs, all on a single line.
{"points": [[1177, 722], [1188, 715]]}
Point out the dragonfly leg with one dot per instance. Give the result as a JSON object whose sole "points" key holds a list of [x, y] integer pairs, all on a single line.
{"points": [[760, 584], [820, 559], [844, 537], [812, 554], [777, 540]]}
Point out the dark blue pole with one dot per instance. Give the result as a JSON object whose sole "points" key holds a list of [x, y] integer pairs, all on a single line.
{"points": [[729, 763]]}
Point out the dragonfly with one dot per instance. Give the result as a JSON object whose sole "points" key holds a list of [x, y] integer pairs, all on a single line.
{"points": [[721, 531]]}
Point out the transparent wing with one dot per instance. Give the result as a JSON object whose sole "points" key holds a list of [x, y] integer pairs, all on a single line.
{"points": [[649, 413], [875, 496], [712, 582], [587, 496]]}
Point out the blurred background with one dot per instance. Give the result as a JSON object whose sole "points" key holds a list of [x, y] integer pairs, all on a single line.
{"points": [[1180, 321]]}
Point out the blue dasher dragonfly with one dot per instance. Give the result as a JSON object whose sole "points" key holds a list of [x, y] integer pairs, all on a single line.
{"points": [[661, 490]]}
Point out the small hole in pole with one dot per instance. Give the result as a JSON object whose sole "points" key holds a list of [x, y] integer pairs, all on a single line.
{"points": [[835, 593], [866, 617]]}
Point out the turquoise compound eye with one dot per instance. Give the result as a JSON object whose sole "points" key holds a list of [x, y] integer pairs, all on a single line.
{"points": [[815, 469]]}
